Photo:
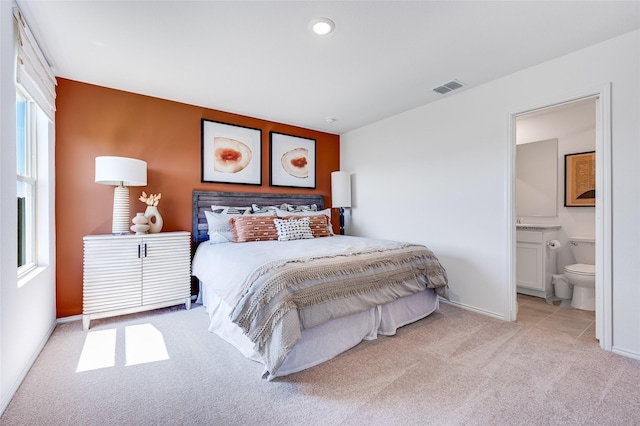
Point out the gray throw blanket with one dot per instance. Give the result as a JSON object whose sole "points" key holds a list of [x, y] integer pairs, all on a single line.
{"points": [[276, 296]]}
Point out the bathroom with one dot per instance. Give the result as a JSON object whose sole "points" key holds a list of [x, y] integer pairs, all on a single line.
{"points": [[544, 138]]}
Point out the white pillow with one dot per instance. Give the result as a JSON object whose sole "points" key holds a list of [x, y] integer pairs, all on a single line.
{"points": [[293, 229], [218, 222]]}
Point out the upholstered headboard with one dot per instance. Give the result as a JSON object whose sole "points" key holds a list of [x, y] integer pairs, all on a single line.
{"points": [[203, 200]]}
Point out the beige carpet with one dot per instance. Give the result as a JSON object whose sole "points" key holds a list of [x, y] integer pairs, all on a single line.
{"points": [[452, 368]]}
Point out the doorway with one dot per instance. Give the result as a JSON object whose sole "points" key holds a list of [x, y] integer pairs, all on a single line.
{"points": [[601, 213]]}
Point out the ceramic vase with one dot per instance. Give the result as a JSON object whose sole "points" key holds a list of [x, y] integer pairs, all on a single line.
{"points": [[155, 220], [140, 224]]}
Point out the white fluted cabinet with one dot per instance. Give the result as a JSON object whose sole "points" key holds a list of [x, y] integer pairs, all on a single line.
{"points": [[124, 274]]}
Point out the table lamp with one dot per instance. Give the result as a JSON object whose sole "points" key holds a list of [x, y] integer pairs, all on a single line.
{"points": [[341, 193], [121, 172]]}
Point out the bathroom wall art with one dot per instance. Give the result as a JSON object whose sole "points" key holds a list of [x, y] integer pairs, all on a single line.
{"points": [[580, 179]]}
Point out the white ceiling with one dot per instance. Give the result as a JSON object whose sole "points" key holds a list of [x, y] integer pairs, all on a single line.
{"points": [[260, 59]]}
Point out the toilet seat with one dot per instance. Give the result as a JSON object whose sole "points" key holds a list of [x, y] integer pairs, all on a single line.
{"points": [[581, 269]]}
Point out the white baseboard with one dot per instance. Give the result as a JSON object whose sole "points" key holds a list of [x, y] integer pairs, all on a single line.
{"points": [[625, 353], [69, 319], [14, 388], [474, 309]]}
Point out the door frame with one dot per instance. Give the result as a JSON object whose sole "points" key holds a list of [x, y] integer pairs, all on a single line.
{"points": [[603, 209]]}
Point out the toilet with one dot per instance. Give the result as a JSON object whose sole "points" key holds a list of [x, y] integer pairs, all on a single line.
{"points": [[582, 275]]}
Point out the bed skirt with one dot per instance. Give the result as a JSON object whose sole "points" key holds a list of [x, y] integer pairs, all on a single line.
{"points": [[325, 341]]}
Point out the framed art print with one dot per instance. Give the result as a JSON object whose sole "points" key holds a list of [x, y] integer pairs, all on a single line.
{"points": [[230, 153], [293, 161], [580, 179]]}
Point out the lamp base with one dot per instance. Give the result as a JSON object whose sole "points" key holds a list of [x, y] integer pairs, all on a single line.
{"points": [[120, 221], [341, 220]]}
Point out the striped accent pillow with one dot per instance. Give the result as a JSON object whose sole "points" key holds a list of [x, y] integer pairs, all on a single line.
{"points": [[293, 229], [319, 224], [253, 228]]}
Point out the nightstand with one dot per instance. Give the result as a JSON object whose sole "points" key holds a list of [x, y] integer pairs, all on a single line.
{"points": [[124, 274]]}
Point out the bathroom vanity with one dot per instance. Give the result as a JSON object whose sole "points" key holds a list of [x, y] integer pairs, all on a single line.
{"points": [[536, 261]]}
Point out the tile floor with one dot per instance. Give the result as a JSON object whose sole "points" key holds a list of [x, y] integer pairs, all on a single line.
{"points": [[537, 312]]}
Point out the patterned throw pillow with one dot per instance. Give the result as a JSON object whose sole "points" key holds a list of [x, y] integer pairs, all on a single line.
{"points": [[253, 228], [284, 207], [299, 208], [293, 229], [231, 211], [319, 224], [256, 209]]}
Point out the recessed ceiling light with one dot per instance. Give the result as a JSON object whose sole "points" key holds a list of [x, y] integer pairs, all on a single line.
{"points": [[322, 26]]}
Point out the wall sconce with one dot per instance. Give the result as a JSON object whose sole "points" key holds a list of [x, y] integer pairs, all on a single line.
{"points": [[121, 172], [341, 194]]}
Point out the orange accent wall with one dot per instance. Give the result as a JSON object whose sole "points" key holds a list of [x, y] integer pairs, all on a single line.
{"points": [[92, 121]]}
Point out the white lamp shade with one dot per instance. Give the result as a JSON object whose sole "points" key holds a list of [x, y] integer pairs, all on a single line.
{"points": [[340, 189], [121, 172], [116, 170]]}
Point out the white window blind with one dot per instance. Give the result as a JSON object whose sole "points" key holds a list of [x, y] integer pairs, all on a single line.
{"points": [[32, 69]]}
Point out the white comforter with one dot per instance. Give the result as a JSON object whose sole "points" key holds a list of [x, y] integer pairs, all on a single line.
{"points": [[224, 267]]}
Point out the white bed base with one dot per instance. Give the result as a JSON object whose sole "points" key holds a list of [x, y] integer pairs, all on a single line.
{"points": [[325, 341]]}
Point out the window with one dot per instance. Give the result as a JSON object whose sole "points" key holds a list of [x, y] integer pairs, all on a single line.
{"points": [[35, 115], [27, 182]]}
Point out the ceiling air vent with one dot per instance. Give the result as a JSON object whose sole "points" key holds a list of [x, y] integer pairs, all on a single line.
{"points": [[448, 87]]}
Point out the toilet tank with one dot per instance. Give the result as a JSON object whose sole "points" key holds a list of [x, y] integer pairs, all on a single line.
{"points": [[583, 249]]}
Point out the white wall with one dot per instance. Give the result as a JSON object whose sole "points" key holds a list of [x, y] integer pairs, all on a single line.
{"points": [[574, 126], [439, 175], [28, 312]]}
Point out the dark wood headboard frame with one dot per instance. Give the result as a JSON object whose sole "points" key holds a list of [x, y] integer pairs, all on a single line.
{"points": [[203, 200]]}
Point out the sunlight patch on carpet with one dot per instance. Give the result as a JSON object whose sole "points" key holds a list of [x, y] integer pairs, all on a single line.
{"points": [[144, 343], [98, 351]]}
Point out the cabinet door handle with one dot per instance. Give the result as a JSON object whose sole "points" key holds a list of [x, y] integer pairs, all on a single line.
{"points": [[145, 249], [139, 248]]}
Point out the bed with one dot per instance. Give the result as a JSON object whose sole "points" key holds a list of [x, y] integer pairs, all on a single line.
{"points": [[299, 299]]}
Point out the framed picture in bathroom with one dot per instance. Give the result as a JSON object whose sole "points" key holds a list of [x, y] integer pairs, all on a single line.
{"points": [[580, 179]]}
